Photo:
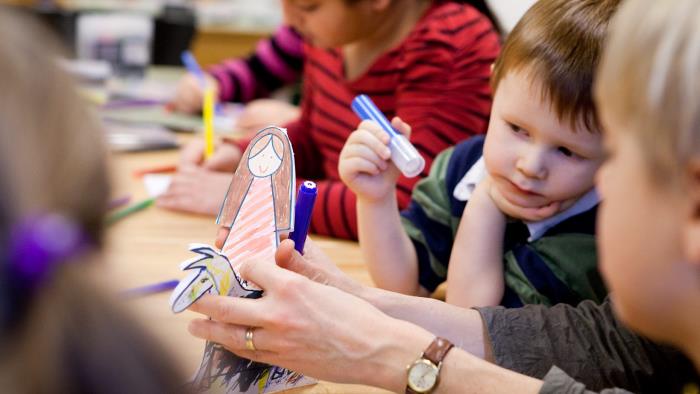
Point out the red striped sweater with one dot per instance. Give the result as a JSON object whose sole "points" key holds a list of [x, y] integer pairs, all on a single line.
{"points": [[437, 80]]}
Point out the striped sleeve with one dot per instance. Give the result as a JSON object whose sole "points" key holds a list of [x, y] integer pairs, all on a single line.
{"points": [[445, 94], [276, 62], [429, 224], [334, 213]]}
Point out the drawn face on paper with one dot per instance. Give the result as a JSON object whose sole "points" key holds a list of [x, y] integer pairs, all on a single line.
{"points": [[266, 161]]}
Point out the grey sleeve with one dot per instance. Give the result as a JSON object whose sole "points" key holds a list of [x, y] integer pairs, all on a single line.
{"points": [[586, 342], [558, 382]]}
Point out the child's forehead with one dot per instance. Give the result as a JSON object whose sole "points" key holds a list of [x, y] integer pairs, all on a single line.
{"points": [[524, 92]]}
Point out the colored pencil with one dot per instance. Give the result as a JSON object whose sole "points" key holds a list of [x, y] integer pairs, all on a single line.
{"points": [[121, 214], [118, 202], [155, 170], [150, 289]]}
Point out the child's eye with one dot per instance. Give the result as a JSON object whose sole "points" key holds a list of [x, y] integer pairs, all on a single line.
{"points": [[517, 130], [308, 7], [568, 153]]}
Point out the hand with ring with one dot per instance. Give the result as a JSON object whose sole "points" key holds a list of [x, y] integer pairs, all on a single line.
{"points": [[310, 328], [249, 339]]}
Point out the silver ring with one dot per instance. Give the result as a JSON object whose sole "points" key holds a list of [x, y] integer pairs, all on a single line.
{"points": [[249, 339]]}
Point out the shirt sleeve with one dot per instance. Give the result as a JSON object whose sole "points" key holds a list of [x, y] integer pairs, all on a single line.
{"points": [[276, 62], [429, 225], [558, 382], [588, 343], [444, 93]]}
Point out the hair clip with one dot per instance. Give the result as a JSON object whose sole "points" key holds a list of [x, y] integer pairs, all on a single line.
{"points": [[41, 242]]}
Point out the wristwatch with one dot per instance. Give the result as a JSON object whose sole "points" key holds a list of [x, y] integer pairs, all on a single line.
{"points": [[424, 372]]}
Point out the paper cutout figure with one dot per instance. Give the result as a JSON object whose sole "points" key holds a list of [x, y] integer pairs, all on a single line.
{"points": [[257, 209]]}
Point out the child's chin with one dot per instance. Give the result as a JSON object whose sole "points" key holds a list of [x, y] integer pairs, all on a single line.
{"points": [[536, 214]]}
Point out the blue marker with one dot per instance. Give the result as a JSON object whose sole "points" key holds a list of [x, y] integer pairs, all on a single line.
{"points": [[302, 214], [150, 289], [193, 67], [403, 153]]}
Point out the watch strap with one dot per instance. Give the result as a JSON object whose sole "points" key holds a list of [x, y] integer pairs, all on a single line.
{"points": [[435, 353], [437, 350]]}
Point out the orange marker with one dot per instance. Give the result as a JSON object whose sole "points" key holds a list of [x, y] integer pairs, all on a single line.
{"points": [[155, 170]]}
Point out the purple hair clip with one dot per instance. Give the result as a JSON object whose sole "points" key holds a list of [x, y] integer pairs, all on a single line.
{"points": [[41, 242]]}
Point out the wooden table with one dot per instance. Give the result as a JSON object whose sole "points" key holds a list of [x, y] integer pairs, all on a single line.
{"points": [[148, 246]]}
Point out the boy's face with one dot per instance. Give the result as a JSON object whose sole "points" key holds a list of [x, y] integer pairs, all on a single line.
{"points": [[640, 229], [539, 164], [328, 23]]}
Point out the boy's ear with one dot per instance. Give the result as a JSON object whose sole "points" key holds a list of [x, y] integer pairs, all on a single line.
{"points": [[692, 228]]}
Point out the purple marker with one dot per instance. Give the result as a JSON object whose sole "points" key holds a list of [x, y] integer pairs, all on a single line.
{"points": [[118, 202], [302, 214], [150, 289]]}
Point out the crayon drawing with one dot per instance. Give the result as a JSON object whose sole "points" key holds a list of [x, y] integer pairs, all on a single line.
{"points": [[257, 209]]}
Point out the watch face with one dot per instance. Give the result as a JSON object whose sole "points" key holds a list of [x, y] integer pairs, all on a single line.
{"points": [[422, 376]]}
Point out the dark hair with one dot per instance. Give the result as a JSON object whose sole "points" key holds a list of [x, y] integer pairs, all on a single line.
{"points": [[480, 5], [559, 44], [65, 335]]}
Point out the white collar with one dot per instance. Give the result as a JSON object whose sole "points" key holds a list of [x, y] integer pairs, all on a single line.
{"points": [[465, 187]]}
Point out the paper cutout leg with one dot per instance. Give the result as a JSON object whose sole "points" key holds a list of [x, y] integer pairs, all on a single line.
{"points": [[221, 370]]}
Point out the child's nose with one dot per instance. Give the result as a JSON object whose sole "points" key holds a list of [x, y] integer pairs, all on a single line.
{"points": [[532, 164]]}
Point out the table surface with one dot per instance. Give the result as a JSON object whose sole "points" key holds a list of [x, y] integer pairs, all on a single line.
{"points": [[148, 246]]}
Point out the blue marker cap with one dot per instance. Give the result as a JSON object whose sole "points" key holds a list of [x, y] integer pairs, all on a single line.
{"points": [[302, 214], [403, 153]]}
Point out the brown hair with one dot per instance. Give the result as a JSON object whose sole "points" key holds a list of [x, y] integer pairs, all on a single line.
{"points": [[283, 180], [648, 82], [558, 44], [64, 335]]}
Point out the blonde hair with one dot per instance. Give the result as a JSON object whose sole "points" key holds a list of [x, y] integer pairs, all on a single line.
{"points": [[649, 80], [65, 335], [283, 180], [558, 43]]}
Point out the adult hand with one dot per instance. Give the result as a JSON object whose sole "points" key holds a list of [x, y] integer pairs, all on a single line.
{"points": [[225, 157], [197, 190], [317, 266], [311, 328]]}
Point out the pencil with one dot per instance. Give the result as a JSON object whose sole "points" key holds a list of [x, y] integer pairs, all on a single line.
{"points": [[208, 112], [150, 289], [121, 214], [118, 202], [155, 170]]}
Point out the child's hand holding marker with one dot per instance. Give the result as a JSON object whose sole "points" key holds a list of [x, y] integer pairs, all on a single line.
{"points": [[194, 88], [365, 162], [225, 158], [189, 94]]}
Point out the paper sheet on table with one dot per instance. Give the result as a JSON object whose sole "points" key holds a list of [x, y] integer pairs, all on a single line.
{"points": [[156, 184]]}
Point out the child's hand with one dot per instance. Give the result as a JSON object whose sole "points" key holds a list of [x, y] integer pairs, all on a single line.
{"points": [[225, 157], [196, 190], [365, 165], [531, 214], [264, 112], [189, 94]]}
